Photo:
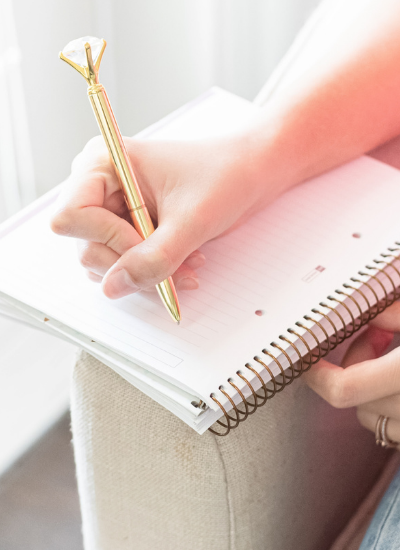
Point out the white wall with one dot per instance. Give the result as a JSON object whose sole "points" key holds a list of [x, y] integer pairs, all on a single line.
{"points": [[59, 118], [160, 54]]}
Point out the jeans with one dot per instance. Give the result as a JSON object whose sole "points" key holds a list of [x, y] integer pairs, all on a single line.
{"points": [[384, 530]]}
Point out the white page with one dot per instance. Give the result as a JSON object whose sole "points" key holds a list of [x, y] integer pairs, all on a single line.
{"points": [[261, 265]]}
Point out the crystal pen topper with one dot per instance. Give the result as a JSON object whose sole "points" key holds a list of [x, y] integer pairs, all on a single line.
{"points": [[84, 55]]}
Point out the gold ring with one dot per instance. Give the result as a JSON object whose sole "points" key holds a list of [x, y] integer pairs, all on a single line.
{"points": [[381, 437]]}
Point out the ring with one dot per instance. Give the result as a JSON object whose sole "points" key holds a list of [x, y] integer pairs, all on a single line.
{"points": [[381, 437]]}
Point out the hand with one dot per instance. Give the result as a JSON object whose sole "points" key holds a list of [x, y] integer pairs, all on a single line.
{"points": [[194, 191], [366, 380]]}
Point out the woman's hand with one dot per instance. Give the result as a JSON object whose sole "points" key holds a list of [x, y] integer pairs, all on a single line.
{"points": [[366, 380], [194, 191]]}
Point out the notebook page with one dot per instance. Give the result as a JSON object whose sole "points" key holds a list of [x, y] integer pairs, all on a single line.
{"points": [[294, 254], [49, 278], [264, 265]]}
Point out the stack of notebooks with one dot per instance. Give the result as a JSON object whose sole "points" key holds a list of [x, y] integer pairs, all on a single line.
{"points": [[275, 295]]}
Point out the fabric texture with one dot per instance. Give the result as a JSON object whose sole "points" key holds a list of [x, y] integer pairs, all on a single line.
{"points": [[289, 478]]}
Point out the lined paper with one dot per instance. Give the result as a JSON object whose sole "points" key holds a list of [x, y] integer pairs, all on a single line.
{"points": [[283, 261]]}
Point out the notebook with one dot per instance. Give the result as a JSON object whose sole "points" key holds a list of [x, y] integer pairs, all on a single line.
{"points": [[276, 294]]}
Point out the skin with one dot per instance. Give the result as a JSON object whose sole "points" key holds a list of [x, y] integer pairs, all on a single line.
{"points": [[343, 107]]}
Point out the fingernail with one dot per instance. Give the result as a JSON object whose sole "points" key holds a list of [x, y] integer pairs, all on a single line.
{"points": [[120, 284], [197, 254], [189, 283], [195, 260]]}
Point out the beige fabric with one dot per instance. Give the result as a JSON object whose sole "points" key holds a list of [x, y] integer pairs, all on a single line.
{"points": [[288, 479]]}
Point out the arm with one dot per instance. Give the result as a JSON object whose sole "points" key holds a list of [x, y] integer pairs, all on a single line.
{"points": [[343, 107], [366, 380], [346, 105]]}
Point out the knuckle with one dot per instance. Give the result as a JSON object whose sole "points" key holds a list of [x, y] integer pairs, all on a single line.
{"points": [[94, 142], [61, 222], [96, 148], [94, 152], [158, 267], [340, 393], [86, 255], [113, 236], [155, 266]]}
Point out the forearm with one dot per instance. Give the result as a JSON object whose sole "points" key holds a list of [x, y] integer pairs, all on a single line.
{"points": [[346, 105]]}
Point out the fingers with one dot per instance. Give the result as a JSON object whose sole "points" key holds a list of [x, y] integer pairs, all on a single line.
{"points": [[94, 277], [96, 224], [389, 319], [185, 278], [369, 345], [98, 259], [388, 406], [91, 208], [195, 260], [93, 181], [376, 339], [91, 205], [369, 420], [371, 379], [149, 262]]}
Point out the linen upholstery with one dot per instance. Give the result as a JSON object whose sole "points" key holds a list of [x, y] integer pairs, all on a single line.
{"points": [[289, 478]]}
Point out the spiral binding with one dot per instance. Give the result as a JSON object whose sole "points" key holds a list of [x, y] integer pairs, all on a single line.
{"points": [[340, 333]]}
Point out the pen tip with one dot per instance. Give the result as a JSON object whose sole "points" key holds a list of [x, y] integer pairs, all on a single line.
{"points": [[169, 298]]}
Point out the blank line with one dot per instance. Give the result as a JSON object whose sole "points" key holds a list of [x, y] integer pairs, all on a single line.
{"points": [[234, 282], [213, 307]]}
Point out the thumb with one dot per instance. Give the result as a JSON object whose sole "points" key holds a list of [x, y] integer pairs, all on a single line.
{"points": [[149, 262], [369, 345]]}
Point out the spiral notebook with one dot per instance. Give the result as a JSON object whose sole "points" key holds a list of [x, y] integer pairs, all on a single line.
{"points": [[276, 294]]}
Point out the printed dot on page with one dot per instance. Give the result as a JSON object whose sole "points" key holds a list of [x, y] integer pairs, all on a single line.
{"points": [[259, 312], [356, 235]]}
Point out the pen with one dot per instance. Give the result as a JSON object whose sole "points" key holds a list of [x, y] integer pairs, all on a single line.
{"points": [[84, 55]]}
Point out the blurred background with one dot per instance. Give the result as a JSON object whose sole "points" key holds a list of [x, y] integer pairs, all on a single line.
{"points": [[160, 54]]}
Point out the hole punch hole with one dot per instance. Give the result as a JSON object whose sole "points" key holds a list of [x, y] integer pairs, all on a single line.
{"points": [[259, 312], [356, 235]]}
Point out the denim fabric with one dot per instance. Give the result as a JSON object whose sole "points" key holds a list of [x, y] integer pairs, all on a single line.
{"points": [[384, 530]]}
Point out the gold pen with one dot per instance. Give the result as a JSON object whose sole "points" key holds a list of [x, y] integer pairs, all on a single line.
{"points": [[84, 55]]}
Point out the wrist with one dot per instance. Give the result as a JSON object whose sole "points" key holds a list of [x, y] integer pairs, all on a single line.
{"points": [[261, 147]]}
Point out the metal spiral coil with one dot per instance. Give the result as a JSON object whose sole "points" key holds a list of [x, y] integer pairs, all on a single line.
{"points": [[303, 363]]}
